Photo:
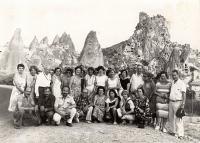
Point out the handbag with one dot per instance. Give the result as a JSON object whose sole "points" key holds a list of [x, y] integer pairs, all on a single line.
{"points": [[180, 113]]}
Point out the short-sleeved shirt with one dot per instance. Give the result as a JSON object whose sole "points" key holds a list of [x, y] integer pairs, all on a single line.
{"points": [[128, 104], [63, 103], [176, 90]]}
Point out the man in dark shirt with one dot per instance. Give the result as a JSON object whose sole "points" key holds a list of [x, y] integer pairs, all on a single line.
{"points": [[46, 106]]}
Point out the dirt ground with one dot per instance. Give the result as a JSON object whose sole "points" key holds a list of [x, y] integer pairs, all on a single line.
{"points": [[82, 132]]}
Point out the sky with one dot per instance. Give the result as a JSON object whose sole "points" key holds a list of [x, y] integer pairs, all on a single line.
{"points": [[113, 20]]}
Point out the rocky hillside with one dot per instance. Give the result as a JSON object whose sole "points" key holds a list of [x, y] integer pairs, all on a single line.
{"points": [[150, 40]]}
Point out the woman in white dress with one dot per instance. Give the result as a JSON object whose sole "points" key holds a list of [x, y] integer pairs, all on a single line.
{"points": [[113, 82], [90, 80], [19, 82], [101, 78], [56, 83]]}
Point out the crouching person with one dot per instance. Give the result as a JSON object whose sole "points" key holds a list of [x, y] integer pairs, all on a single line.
{"points": [[25, 107], [142, 110], [83, 104], [126, 110], [65, 108], [46, 106]]}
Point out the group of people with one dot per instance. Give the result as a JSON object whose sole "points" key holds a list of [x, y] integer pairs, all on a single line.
{"points": [[129, 96]]}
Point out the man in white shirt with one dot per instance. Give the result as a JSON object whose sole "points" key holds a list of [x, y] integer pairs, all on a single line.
{"points": [[176, 100], [43, 80], [65, 106], [136, 79]]}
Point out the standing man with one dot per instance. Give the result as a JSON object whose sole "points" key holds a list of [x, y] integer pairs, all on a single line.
{"points": [[136, 79], [43, 80], [176, 100]]}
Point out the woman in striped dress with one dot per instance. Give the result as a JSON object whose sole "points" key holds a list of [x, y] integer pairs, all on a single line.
{"points": [[162, 101]]}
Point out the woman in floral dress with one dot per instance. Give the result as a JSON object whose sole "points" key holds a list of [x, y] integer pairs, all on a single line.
{"points": [[99, 104], [75, 83], [142, 110]]}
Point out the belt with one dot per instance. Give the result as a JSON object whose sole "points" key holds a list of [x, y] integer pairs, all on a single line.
{"points": [[175, 100]]}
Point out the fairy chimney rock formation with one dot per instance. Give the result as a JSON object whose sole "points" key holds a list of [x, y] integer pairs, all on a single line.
{"points": [[16, 52], [91, 54], [34, 44], [56, 40]]}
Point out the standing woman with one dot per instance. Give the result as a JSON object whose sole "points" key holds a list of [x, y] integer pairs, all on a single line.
{"points": [[66, 77], [90, 80], [149, 92], [125, 80], [163, 87], [56, 83], [101, 78], [31, 79], [113, 82], [19, 82], [76, 84]]}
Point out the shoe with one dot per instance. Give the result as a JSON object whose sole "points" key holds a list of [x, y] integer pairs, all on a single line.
{"points": [[124, 123], [69, 124], [180, 137], [141, 126], [76, 120], [164, 130], [89, 122], [115, 123], [157, 128]]}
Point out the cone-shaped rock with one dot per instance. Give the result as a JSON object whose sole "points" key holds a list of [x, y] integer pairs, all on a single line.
{"points": [[91, 54], [34, 44], [56, 40], [16, 53], [67, 43], [45, 40]]}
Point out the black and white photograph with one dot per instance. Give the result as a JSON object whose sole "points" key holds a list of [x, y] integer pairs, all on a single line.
{"points": [[99, 71]]}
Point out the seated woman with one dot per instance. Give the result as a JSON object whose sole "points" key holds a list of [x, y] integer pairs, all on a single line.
{"points": [[112, 104], [98, 108], [25, 107], [142, 110], [126, 110]]}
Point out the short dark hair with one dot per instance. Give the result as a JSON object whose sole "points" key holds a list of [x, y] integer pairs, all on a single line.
{"points": [[100, 87], [66, 70], [165, 73], [100, 68], [57, 69], [78, 67], [112, 90], [141, 89], [20, 65], [65, 87], [91, 68], [123, 71], [176, 71], [33, 67]]}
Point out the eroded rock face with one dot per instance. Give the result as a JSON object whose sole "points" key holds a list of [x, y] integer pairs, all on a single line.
{"points": [[150, 41], [91, 54]]}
